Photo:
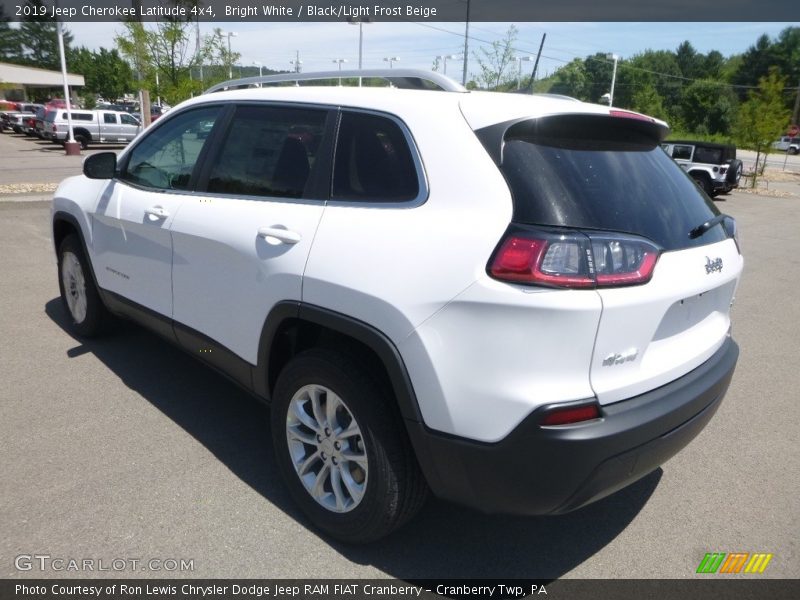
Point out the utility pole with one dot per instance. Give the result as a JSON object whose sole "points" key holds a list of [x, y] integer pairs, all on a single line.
{"points": [[536, 64], [466, 49], [796, 111]]}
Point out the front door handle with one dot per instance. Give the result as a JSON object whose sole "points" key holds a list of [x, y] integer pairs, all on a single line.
{"points": [[158, 212], [282, 235]]}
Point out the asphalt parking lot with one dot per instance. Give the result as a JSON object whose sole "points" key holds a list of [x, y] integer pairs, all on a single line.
{"points": [[126, 448]]}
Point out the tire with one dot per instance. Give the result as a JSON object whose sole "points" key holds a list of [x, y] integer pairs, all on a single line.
{"points": [[734, 174], [81, 139], [704, 181], [378, 492], [86, 311], [793, 150]]}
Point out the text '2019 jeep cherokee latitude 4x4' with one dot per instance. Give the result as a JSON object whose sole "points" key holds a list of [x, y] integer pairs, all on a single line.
{"points": [[519, 303]]}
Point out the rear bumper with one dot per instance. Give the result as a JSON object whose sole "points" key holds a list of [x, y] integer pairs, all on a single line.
{"points": [[552, 470], [724, 186]]}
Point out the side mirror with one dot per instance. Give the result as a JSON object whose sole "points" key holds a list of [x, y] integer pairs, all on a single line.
{"points": [[102, 165]]}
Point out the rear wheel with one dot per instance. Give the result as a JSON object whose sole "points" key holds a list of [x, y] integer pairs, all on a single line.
{"points": [[83, 141], [342, 449], [704, 181]]}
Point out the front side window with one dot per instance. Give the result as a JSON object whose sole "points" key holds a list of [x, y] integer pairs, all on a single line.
{"points": [[268, 151], [373, 161], [128, 120], [166, 157]]}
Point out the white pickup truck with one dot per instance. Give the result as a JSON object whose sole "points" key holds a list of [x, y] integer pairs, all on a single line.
{"points": [[92, 126], [787, 144]]}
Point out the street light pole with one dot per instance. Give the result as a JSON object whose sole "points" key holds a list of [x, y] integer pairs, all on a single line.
{"points": [[360, 21], [339, 61], [230, 34], [296, 62], [70, 146], [615, 58], [444, 57], [519, 67], [391, 60]]}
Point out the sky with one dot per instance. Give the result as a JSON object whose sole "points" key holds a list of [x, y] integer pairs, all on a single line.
{"points": [[417, 44]]}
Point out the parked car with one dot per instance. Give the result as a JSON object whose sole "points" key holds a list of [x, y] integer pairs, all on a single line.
{"points": [[524, 325], [788, 144], [92, 127], [15, 120], [714, 167], [38, 126]]}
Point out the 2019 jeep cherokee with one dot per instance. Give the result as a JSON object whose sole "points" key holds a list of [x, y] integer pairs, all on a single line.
{"points": [[518, 303]]}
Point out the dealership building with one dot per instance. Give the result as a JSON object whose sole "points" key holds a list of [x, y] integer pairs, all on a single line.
{"points": [[21, 82]]}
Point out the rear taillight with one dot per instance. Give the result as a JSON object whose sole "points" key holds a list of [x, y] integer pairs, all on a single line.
{"points": [[569, 415], [574, 259]]}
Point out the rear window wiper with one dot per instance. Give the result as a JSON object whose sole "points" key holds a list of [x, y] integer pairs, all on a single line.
{"points": [[703, 227]]}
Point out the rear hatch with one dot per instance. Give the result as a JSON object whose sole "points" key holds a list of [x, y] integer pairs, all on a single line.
{"points": [[628, 223]]}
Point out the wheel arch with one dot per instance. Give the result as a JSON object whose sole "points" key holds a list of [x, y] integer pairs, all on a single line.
{"points": [[292, 327], [76, 131], [700, 173], [64, 224]]}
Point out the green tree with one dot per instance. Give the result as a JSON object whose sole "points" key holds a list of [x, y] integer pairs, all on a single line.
{"points": [[495, 62], [690, 63], [647, 100], [598, 69], [659, 69], [708, 108], [570, 80], [763, 117], [10, 49], [38, 41], [105, 72], [755, 64]]}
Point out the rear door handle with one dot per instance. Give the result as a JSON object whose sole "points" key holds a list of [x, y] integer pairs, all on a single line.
{"points": [[283, 235], [158, 212]]}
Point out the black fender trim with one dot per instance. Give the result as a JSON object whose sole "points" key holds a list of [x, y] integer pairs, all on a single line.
{"points": [[70, 218], [362, 332]]}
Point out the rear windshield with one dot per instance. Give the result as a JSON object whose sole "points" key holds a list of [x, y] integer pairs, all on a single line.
{"points": [[603, 173]]}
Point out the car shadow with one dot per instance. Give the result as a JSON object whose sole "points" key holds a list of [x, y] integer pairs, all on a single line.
{"points": [[444, 541]]}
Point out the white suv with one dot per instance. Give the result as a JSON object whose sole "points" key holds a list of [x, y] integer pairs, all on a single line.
{"points": [[519, 303]]}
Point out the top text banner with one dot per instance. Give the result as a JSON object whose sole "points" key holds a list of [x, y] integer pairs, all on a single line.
{"points": [[408, 10]]}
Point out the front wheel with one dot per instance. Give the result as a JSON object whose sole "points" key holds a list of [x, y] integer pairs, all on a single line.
{"points": [[77, 288], [342, 449]]}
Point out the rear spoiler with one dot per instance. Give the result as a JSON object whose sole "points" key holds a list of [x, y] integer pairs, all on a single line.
{"points": [[628, 130]]}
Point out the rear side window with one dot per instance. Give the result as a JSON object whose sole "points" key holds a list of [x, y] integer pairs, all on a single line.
{"points": [[109, 118], [79, 116], [268, 151], [166, 156], [373, 161], [703, 154], [603, 174]]}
